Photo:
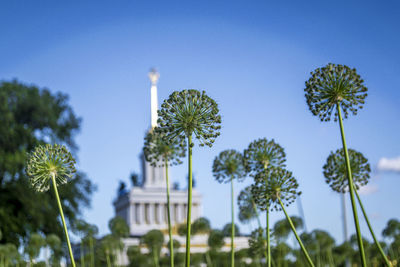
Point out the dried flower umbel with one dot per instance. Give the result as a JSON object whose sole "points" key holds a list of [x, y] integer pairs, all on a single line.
{"points": [[182, 115], [227, 166], [335, 173], [188, 113], [51, 164], [338, 87], [332, 85], [46, 161], [260, 156], [160, 151], [276, 188]]}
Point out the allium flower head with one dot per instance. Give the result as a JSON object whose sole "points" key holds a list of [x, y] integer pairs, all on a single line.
{"points": [[46, 161], [190, 112], [331, 85], [157, 149], [245, 202], [335, 171], [262, 154], [228, 165], [274, 184]]}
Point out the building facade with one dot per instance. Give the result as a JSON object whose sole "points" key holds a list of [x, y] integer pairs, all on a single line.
{"points": [[145, 208]]}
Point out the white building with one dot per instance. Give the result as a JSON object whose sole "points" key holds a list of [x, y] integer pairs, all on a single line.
{"points": [[145, 208]]}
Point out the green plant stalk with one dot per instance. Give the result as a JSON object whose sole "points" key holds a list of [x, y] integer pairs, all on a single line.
{"points": [[189, 207], [232, 229], [91, 251], [268, 238], [259, 225], [171, 243], [208, 259], [53, 177], [351, 189], [371, 230], [295, 233], [108, 259], [155, 256], [82, 260]]}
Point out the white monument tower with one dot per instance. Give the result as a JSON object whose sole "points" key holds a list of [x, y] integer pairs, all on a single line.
{"points": [[145, 208]]}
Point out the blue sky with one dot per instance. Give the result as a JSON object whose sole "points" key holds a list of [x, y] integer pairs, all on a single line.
{"points": [[252, 58]]}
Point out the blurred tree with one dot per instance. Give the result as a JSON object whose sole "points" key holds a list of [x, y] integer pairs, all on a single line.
{"points": [[201, 226], [35, 243], [32, 116], [54, 242], [154, 240], [227, 229]]}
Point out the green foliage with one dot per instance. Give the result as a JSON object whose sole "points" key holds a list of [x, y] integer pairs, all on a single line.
{"points": [[190, 112], [282, 228], [257, 242], [46, 161], [262, 154], [29, 117], [54, 242], [201, 226], [227, 230], [228, 165], [246, 205], [335, 170], [272, 185], [216, 239], [331, 85], [118, 227], [158, 149], [392, 229], [35, 243]]}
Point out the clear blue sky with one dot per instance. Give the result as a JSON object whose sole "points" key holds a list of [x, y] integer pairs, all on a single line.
{"points": [[251, 57]]}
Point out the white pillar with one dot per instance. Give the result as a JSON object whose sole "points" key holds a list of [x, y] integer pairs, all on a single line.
{"points": [[154, 75]]}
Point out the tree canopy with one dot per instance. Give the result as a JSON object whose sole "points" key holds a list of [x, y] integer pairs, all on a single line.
{"points": [[31, 116]]}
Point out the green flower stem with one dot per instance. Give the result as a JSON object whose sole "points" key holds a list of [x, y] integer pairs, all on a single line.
{"points": [[233, 229], [351, 189], [155, 256], [295, 233], [268, 238], [82, 260], [91, 251], [108, 259], [171, 243], [371, 230], [259, 225], [189, 207], [208, 259], [53, 177]]}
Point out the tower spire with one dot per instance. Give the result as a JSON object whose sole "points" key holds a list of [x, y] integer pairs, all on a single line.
{"points": [[154, 75]]}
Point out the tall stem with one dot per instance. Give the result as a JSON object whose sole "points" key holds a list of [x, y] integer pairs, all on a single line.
{"points": [[171, 243], [82, 260], [108, 259], [189, 206], [351, 189], [91, 251], [372, 231], [233, 228], [295, 233], [155, 256], [268, 238], [260, 226], [53, 178]]}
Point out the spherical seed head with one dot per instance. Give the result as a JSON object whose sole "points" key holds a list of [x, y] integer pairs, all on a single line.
{"points": [[190, 112], [331, 85], [48, 160], [272, 184], [335, 170], [229, 165], [158, 149], [262, 154], [245, 203]]}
